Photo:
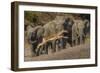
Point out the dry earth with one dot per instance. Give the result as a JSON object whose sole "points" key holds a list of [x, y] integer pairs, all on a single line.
{"points": [[77, 52]]}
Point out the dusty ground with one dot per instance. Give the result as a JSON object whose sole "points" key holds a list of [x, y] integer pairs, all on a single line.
{"points": [[76, 52]]}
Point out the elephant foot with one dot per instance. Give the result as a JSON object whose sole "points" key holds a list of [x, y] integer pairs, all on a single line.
{"points": [[53, 51], [33, 55]]}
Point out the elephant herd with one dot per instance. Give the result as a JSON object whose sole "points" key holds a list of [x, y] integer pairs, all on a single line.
{"points": [[56, 34]]}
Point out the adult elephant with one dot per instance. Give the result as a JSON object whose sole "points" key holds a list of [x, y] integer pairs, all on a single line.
{"points": [[78, 31], [52, 28], [75, 33], [86, 29], [35, 37], [67, 27]]}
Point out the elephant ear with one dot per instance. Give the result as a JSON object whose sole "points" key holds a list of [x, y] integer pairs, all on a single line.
{"points": [[40, 31]]}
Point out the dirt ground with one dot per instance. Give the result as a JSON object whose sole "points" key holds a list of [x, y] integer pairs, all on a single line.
{"points": [[77, 52]]}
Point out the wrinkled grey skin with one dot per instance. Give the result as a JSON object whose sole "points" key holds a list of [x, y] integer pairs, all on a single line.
{"points": [[54, 26]]}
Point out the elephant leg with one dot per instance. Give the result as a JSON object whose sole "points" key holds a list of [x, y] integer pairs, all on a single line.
{"points": [[84, 39], [81, 39], [64, 41], [38, 51], [73, 42], [46, 47], [70, 41], [53, 46], [34, 46], [57, 44], [44, 50], [60, 44]]}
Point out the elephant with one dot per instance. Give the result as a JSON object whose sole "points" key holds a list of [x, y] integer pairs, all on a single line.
{"points": [[81, 27], [78, 31], [67, 27], [51, 29], [36, 37], [86, 29]]}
